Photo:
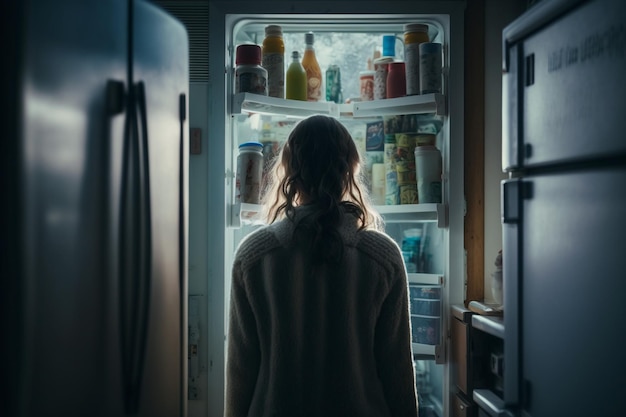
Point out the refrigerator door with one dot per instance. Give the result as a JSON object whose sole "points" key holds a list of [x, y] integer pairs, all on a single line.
{"points": [[572, 293], [72, 61], [563, 90], [160, 89]]}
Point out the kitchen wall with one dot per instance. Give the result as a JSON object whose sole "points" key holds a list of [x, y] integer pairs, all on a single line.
{"points": [[498, 14]]}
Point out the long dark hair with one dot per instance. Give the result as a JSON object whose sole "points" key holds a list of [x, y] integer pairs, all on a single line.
{"points": [[319, 166]]}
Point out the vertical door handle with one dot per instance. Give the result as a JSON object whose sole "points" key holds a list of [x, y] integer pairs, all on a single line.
{"points": [[135, 247]]}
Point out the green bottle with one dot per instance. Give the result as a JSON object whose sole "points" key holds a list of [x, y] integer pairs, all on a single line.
{"points": [[296, 79]]}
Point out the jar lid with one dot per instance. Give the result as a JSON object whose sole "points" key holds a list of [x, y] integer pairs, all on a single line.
{"points": [[274, 30], [389, 45], [430, 48], [425, 148], [248, 54], [415, 27], [367, 73], [251, 146]]}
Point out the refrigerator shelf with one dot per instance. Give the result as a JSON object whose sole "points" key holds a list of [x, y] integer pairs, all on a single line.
{"points": [[427, 279], [245, 213], [420, 104], [422, 351], [403, 213]]}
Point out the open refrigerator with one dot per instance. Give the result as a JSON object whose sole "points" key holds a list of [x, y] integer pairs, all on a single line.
{"points": [[430, 234]]}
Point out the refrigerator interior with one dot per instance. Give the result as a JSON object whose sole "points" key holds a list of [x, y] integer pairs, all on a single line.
{"points": [[350, 47], [348, 40]]}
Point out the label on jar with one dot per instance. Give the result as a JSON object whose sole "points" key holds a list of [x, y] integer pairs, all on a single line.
{"points": [[274, 63], [251, 82], [412, 66], [367, 86], [249, 177]]}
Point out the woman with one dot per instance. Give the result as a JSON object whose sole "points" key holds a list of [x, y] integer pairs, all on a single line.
{"points": [[319, 313]]}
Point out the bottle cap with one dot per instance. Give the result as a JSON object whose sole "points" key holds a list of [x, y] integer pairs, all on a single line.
{"points": [[295, 55], [248, 54], [389, 45], [309, 38], [415, 27], [274, 30]]}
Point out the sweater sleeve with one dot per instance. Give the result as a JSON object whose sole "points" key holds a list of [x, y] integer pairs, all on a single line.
{"points": [[243, 350], [393, 349]]}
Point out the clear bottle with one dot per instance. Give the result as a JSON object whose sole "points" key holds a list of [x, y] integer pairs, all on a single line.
{"points": [[274, 60], [296, 79], [312, 68]]}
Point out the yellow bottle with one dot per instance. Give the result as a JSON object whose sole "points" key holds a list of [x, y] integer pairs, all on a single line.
{"points": [[312, 68], [296, 79], [274, 60]]}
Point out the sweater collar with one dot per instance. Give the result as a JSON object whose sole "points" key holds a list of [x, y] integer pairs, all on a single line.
{"points": [[283, 229]]}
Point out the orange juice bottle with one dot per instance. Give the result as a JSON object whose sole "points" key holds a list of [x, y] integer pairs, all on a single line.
{"points": [[312, 68], [274, 60]]}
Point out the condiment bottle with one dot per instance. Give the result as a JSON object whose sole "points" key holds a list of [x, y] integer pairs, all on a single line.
{"points": [[312, 68], [396, 80], [250, 76], [414, 35], [274, 60], [296, 79]]}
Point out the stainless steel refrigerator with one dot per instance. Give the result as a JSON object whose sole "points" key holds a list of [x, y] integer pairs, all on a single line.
{"points": [[94, 200], [564, 228]]}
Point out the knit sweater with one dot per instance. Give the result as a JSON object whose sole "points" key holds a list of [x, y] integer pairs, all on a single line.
{"points": [[325, 340]]}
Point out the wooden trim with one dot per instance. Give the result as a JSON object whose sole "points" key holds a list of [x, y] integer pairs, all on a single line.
{"points": [[474, 148]]}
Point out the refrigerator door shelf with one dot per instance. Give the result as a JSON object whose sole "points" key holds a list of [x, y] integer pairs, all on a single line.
{"points": [[403, 213], [427, 279], [244, 213], [421, 351], [420, 104]]}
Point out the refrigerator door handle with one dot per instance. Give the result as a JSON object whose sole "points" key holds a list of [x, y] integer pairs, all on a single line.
{"points": [[145, 240], [135, 247]]}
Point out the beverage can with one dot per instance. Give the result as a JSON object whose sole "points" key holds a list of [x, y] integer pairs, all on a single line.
{"points": [[249, 175], [333, 84]]}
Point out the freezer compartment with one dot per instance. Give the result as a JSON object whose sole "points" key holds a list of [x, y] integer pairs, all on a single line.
{"points": [[571, 291], [563, 87]]}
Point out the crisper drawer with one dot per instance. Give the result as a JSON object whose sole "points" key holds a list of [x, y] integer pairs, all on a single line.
{"points": [[564, 92], [425, 313]]}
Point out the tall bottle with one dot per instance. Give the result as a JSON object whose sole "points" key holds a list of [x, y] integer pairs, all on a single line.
{"points": [[312, 68], [274, 60], [296, 79]]}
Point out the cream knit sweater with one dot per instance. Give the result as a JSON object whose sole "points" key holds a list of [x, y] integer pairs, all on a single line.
{"points": [[329, 341]]}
